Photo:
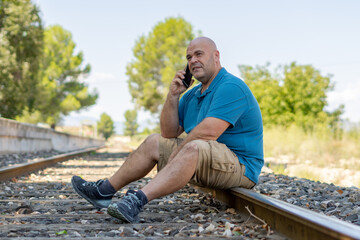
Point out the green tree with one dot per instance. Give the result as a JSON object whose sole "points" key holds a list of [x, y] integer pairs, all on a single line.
{"points": [[105, 126], [266, 88], [292, 94], [131, 124], [21, 44], [62, 88], [157, 57]]}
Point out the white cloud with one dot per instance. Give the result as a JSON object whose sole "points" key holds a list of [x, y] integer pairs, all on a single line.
{"points": [[346, 95], [350, 97], [100, 77]]}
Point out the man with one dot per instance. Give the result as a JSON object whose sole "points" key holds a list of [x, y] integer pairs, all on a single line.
{"points": [[223, 148]]}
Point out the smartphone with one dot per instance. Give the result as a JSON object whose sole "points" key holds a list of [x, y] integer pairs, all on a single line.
{"points": [[188, 76]]}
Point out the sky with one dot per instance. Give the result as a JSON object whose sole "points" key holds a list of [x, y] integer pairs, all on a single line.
{"points": [[325, 34]]}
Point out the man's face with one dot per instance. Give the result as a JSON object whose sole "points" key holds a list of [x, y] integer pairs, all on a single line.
{"points": [[202, 60]]}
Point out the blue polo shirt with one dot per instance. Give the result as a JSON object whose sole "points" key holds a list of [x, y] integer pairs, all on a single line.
{"points": [[228, 98]]}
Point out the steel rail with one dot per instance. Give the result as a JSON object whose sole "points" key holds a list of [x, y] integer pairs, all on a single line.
{"points": [[292, 221], [7, 173]]}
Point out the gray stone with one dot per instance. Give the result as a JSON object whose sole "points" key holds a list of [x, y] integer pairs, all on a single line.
{"points": [[327, 204], [173, 232], [356, 211], [32, 234], [12, 234], [149, 231], [101, 234], [352, 217]]}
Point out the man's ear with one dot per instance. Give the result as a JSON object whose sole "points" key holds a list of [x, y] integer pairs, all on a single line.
{"points": [[217, 55]]}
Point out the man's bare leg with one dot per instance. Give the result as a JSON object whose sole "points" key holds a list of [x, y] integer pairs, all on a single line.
{"points": [[138, 164], [175, 175]]}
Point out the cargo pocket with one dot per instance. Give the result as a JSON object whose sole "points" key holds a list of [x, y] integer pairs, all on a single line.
{"points": [[221, 158], [223, 166]]}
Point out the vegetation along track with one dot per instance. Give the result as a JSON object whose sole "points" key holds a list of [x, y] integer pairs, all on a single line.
{"points": [[43, 205]]}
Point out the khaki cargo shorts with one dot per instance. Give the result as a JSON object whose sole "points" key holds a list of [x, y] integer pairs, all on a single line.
{"points": [[218, 167]]}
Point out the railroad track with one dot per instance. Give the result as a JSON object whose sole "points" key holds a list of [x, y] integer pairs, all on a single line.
{"points": [[293, 221], [7, 173], [43, 205]]}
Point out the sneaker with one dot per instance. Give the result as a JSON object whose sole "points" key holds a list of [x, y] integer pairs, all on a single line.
{"points": [[90, 191], [129, 207]]}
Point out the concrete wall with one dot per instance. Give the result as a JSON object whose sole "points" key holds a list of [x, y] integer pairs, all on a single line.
{"points": [[21, 137]]}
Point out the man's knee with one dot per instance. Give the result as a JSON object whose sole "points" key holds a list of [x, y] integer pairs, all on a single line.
{"points": [[152, 139], [151, 144], [193, 146]]}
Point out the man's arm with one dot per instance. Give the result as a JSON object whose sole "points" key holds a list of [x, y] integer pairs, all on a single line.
{"points": [[209, 129], [169, 119]]}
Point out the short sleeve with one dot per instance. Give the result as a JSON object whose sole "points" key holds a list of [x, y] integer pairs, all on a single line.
{"points": [[229, 103]]}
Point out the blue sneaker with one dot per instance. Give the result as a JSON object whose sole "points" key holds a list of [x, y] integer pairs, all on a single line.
{"points": [[90, 191], [129, 207]]}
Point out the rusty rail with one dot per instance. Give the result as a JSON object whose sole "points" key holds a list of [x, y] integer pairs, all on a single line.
{"points": [[21, 169], [292, 221]]}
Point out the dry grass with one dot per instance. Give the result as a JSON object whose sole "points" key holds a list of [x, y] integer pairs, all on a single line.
{"points": [[319, 148]]}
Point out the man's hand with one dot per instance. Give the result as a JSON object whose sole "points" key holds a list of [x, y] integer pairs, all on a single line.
{"points": [[169, 118], [177, 87]]}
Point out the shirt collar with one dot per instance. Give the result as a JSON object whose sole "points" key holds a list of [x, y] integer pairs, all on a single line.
{"points": [[214, 82]]}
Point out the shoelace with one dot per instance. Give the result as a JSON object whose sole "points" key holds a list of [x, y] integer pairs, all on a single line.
{"points": [[93, 184], [131, 199]]}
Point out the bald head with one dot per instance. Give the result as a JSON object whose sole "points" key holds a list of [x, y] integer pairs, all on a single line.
{"points": [[204, 41], [203, 59]]}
